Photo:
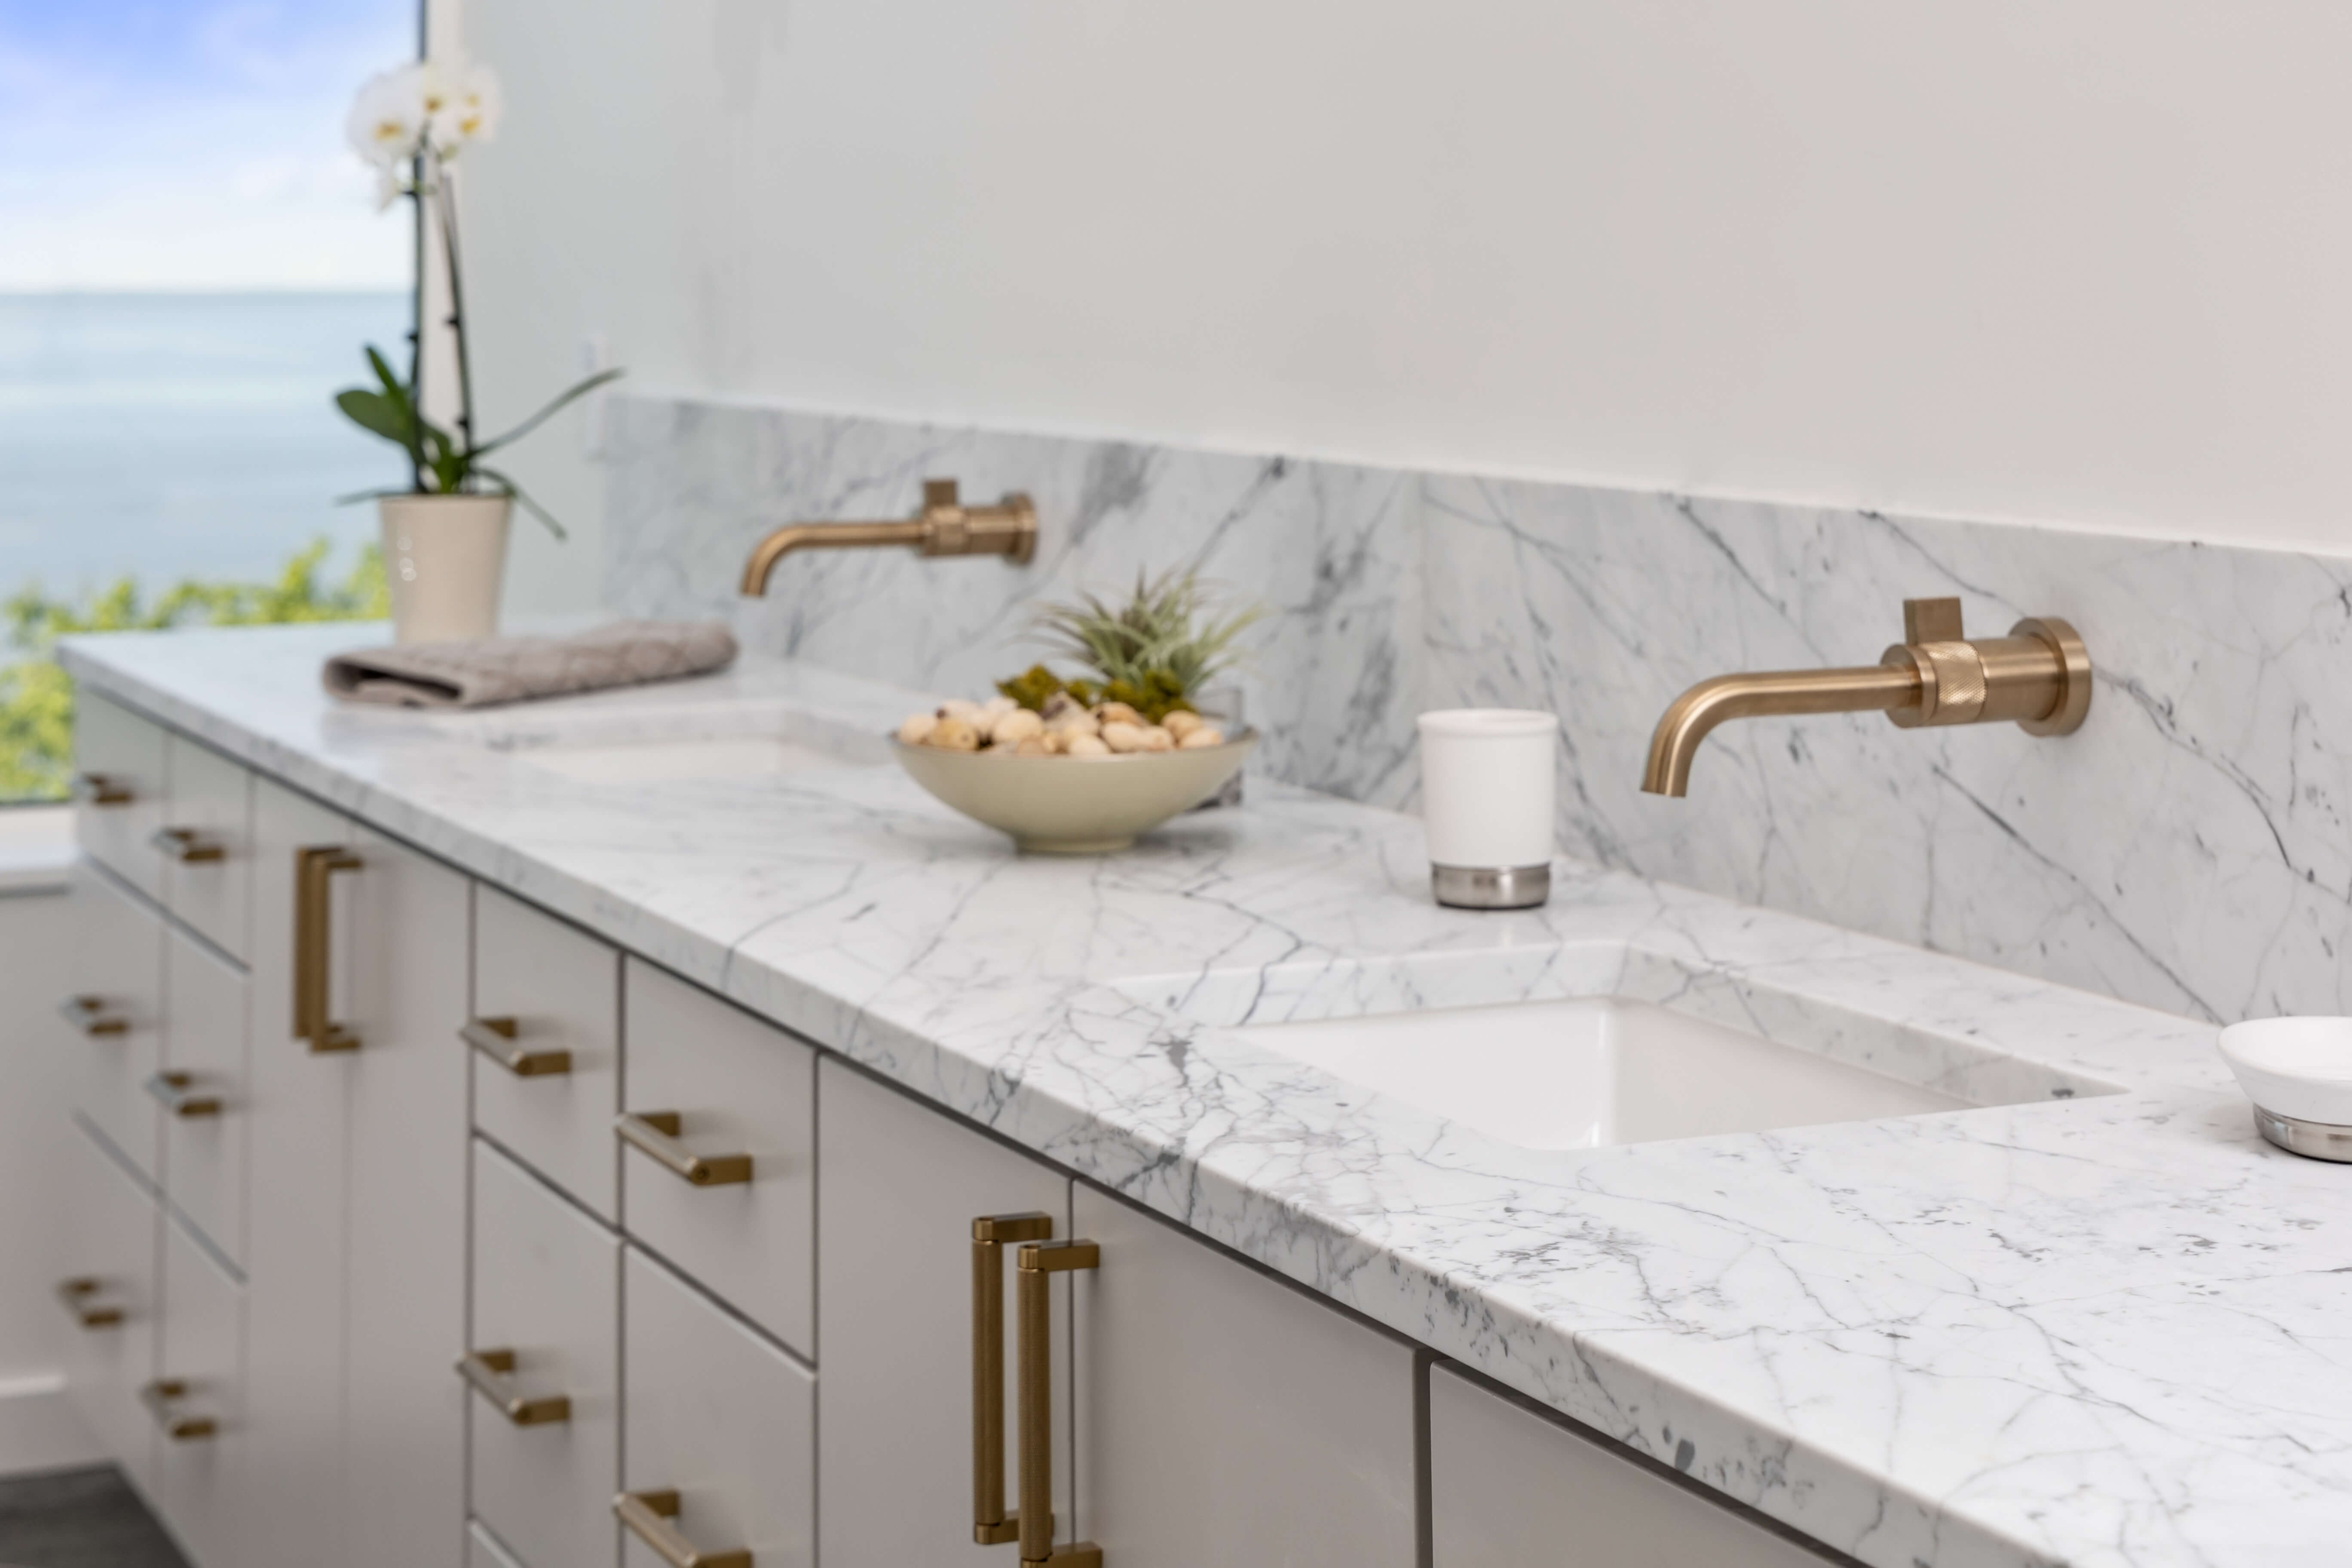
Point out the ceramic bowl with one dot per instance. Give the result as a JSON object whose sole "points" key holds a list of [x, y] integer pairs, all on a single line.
{"points": [[1075, 805], [2300, 1067]]}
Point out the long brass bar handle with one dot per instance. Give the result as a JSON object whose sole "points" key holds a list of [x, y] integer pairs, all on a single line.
{"points": [[159, 1396], [186, 846], [1034, 1269], [991, 1524], [88, 1015], [488, 1371], [100, 789], [314, 868], [495, 1038], [655, 1134], [649, 1516], [176, 1092], [77, 1296]]}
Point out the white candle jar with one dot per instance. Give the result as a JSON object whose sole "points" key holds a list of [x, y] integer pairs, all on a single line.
{"points": [[1486, 794]]}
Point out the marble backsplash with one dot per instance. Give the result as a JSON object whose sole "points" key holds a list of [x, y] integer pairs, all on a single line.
{"points": [[2187, 848]]}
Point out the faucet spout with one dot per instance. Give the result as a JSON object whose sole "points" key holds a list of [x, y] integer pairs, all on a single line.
{"points": [[1869, 689], [944, 527], [2039, 676]]}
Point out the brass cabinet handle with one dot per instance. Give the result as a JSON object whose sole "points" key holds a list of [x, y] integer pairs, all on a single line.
{"points": [[100, 789], [495, 1037], [176, 1093], [186, 846], [656, 1132], [1033, 1268], [159, 1396], [88, 1015], [76, 1295], [649, 1516], [488, 1371], [313, 934], [991, 1524]]}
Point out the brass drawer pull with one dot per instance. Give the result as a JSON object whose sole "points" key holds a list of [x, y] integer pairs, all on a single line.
{"points": [[649, 1516], [174, 1091], [656, 1132], [88, 1015], [186, 846], [1034, 1269], [991, 1525], [159, 1396], [100, 789], [495, 1037], [314, 938], [76, 1294], [488, 1371]]}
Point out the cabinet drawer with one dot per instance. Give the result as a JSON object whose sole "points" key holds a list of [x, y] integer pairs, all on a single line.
{"points": [[111, 1299], [200, 1091], [739, 1089], [118, 758], [718, 1419], [547, 1324], [546, 997], [205, 846], [1508, 1486], [197, 1400], [113, 1015]]}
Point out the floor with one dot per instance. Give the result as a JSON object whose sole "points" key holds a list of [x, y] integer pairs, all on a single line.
{"points": [[86, 1518]]}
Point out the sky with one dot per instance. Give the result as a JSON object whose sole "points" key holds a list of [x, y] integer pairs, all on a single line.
{"points": [[192, 144]]}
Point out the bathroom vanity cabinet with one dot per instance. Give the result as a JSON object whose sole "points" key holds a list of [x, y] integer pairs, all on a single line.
{"points": [[417, 1227]]}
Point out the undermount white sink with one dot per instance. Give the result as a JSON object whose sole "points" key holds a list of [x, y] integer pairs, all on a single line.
{"points": [[671, 762], [1583, 1072]]}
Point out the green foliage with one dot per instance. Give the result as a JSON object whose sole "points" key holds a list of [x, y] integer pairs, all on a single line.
{"points": [[443, 463], [1156, 650], [37, 698]]}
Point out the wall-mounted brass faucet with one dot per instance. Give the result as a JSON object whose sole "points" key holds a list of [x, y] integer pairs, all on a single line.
{"points": [[944, 527], [2039, 674]]}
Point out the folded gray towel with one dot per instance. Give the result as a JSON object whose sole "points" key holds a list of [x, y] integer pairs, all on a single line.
{"points": [[514, 669]]}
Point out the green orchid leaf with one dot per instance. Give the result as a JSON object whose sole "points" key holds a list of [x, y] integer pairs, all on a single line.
{"points": [[506, 486], [375, 413], [579, 390]]}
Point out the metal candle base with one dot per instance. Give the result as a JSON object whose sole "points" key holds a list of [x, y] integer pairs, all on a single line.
{"points": [[1491, 887], [2312, 1139]]}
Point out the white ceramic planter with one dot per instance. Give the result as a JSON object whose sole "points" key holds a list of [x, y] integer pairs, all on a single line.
{"points": [[446, 560]]}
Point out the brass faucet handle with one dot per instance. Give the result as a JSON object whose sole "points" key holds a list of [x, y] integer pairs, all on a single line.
{"points": [[1931, 620], [941, 495]]}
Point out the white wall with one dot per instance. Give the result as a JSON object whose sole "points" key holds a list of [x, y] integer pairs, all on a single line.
{"points": [[2073, 260]]}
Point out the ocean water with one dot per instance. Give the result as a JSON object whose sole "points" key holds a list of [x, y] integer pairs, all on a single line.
{"points": [[168, 435]]}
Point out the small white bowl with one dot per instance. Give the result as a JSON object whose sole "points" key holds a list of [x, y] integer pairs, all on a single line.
{"points": [[2298, 1073], [1075, 805]]}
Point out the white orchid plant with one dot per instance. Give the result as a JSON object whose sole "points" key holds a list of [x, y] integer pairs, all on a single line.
{"points": [[411, 124]]}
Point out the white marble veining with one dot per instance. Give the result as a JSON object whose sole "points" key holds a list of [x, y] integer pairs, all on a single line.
{"points": [[2188, 848], [2105, 1329]]}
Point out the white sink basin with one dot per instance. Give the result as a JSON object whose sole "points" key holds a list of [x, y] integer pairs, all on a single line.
{"points": [[669, 762], [1580, 1073]]}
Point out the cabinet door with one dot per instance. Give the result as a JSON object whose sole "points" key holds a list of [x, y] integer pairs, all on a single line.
{"points": [[197, 1401], [719, 1440], [405, 1153], [293, 1444], [119, 758], [207, 846], [902, 1186], [112, 1012], [202, 1091], [739, 1086], [547, 1317], [1225, 1416], [111, 1298], [541, 988], [1509, 1487]]}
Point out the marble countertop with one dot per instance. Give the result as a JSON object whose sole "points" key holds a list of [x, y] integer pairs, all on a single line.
{"points": [[2111, 1329]]}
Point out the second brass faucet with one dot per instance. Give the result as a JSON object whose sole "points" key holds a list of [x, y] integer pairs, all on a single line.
{"points": [[944, 527], [2039, 674]]}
